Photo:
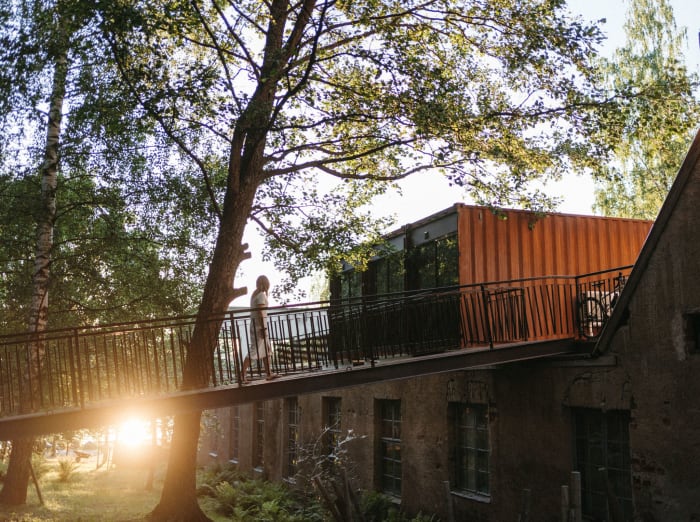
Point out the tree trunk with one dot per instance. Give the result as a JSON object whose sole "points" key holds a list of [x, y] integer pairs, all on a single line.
{"points": [[178, 501], [14, 491], [245, 173]]}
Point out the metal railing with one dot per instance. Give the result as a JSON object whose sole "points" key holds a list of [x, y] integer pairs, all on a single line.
{"points": [[598, 294], [76, 367]]}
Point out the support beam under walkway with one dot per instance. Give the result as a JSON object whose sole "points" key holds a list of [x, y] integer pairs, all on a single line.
{"points": [[110, 413]]}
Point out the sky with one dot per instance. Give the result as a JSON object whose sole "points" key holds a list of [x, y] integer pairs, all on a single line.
{"points": [[425, 193]]}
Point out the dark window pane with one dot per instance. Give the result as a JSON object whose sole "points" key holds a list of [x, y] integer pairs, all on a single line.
{"points": [[470, 448]]}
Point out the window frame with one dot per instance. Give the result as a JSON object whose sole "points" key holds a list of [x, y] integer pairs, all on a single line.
{"points": [[389, 440], [293, 431], [258, 435], [333, 415], [603, 433], [470, 447], [234, 443]]}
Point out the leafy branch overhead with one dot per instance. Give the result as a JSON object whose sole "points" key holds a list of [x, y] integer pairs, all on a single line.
{"points": [[493, 93]]}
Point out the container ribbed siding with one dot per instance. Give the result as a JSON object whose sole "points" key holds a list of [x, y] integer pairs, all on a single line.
{"points": [[515, 244]]}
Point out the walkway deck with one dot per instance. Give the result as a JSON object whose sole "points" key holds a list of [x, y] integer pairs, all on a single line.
{"points": [[82, 377]]}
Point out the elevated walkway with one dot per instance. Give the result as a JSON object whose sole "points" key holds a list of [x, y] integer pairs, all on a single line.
{"points": [[112, 412], [82, 377]]}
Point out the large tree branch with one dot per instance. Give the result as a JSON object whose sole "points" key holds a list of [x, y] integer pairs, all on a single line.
{"points": [[283, 240]]}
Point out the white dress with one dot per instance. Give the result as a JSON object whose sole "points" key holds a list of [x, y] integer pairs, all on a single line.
{"points": [[259, 339]]}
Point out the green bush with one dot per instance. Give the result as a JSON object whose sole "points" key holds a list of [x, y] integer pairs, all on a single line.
{"points": [[66, 469], [245, 499], [378, 507], [225, 495]]}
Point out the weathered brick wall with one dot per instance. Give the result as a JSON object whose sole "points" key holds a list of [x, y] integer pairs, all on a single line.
{"points": [[663, 371]]}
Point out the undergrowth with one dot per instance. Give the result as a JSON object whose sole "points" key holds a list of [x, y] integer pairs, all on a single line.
{"points": [[242, 499]]}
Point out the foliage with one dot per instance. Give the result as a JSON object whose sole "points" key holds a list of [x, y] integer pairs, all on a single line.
{"points": [[651, 131], [40, 465], [66, 469], [378, 507], [111, 259], [317, 469], [245, 499], [273, 99]]}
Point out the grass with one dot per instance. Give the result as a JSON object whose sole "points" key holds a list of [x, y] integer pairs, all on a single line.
{"points": [[91, 495]]}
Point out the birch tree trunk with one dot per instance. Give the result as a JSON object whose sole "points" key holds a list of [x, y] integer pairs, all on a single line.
{"points": [[14, 491]]}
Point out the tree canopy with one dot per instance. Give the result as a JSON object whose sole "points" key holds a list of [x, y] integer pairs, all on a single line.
{"points": [[265, 100], [654, 124], [495, 94], [208, 116], [111, 257]]}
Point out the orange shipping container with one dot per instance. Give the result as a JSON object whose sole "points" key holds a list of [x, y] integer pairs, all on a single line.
{"points": [[515, 244]]}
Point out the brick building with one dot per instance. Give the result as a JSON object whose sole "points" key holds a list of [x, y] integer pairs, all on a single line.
{"points": [[471, 441]]}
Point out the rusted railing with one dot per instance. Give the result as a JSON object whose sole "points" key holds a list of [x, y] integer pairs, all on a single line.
{"points": [[80, 366]]}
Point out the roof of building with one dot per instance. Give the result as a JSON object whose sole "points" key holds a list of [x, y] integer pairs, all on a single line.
{"points": [[689, 166]]}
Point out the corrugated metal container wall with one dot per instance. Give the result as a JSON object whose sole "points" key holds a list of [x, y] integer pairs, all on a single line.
{"points": [[514, 244]]}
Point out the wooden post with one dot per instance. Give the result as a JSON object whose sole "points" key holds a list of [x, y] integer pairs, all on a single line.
{"points": [[36, 483], [565, 504], [576, 495]]}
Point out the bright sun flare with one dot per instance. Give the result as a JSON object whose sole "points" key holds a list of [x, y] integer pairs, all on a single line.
{"points": [[134, 432]]}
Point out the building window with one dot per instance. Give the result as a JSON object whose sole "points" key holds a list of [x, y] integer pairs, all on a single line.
{"points": [[435, 264], [387, 274], [603, 459], [470, 448], [258, 434], [692, 332], [293, 425], [332, 409], [390, 446], [235, 434], [351, 284]]}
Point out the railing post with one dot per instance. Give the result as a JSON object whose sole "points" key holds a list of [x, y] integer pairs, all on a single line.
{"points": [[487, 315], [237, 348], [366, 336], [578, 304], [75, 372]]}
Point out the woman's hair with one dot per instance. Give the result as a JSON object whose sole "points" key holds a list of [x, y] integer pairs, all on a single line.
{"points": [[262, 284]]}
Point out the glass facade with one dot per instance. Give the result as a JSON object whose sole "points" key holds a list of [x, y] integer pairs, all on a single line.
{"points": [[434, 264]]}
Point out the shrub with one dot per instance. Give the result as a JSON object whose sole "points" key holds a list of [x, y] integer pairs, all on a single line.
{"points": [[378, 507], [225, 495], [66, 468], [245, 499]]}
